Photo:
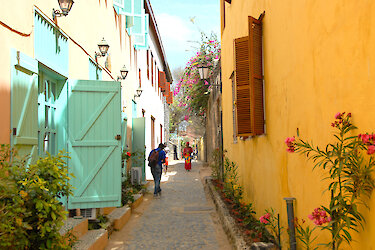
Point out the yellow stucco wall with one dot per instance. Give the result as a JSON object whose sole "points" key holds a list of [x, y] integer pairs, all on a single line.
{"points": [[319, 59], [83, 26]]}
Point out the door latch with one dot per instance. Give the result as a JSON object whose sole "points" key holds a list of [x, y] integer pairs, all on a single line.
{"points": [[118, 137]]}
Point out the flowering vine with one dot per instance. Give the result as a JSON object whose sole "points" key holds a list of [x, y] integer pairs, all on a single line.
{"points": [[191, 91]]}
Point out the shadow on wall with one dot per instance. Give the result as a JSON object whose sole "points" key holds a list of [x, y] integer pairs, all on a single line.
{"points": [[4, 114]]}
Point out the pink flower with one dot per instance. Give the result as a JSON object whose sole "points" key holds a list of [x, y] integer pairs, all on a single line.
{"points": [[205, 82], [289, 142], [371, 149], [263, 220], [290, 150], [338, 115], [365, 138], [319, 217]]}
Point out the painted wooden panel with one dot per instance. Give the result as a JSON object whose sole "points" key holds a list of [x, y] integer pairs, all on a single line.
{"points": [[139, 142], [134, 109], [24, 104], [124, 128], [94, 120], [51, 45], [95, 73]]}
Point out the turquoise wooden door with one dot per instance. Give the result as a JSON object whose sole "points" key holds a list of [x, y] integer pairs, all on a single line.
{"points": [[138, 143], [94, 121], [24, 104]]}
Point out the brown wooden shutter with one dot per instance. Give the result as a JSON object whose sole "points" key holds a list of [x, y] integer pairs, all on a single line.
{"points": [[256, 76], [152, 70], [242, 64], [148, 64]]}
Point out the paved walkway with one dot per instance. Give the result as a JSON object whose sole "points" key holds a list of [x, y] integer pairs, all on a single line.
{"points": [[181, 219]]}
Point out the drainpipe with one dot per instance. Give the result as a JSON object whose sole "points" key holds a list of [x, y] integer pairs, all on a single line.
{"points": [[290, 213]]}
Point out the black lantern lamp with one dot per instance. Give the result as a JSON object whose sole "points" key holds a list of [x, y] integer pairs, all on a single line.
{"points": [[139, 92], [203, 72], [103, 48], [65, 6], [123, 73]]}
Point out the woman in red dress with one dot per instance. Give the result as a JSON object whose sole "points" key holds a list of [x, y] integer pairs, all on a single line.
{"points": [[187, 155]]}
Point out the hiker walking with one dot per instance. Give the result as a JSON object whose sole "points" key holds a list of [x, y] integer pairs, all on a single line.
{"points": [[155, 161], [187, 156]]}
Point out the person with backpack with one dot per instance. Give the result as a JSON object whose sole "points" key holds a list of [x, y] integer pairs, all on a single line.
{"points": [[155, 161]]}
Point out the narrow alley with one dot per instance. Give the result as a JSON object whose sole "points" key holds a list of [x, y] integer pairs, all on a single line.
{"points": [[183, 218]]}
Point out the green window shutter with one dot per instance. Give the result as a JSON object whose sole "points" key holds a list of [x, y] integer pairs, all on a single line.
{"points": [[94, 121], [129, 21], [141, 39], [24, 104], [138, 143], [118, 5], [128, 9]]}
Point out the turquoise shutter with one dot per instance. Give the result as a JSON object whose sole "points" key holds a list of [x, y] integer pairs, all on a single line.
{"points": [[138, 144], [94, 121], [141, 35], [134, 109], [128, 8], [118, 5], [24, 104], [124, 129]]}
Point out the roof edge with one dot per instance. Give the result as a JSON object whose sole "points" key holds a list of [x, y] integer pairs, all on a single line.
{"points": [[154, 26]]}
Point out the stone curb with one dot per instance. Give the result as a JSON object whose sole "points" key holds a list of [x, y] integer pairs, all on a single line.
{"points": [[228, 223]]}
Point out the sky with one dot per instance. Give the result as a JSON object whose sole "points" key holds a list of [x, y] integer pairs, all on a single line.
{"points": [[178, 33]]}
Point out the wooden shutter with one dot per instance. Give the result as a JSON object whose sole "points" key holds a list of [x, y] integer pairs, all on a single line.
{"points": [[242, 67], [24, 105], [152, 70], [148, 64], [256, 76]]}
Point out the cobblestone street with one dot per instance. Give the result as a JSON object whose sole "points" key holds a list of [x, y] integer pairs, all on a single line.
{"points": [[183, 218]]}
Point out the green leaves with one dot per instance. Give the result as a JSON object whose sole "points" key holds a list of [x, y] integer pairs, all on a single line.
{"points": [[349, 174], [31, 198]]}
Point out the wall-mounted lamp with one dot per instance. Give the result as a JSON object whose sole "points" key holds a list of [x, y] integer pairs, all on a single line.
{"points": [[139, 93], [203, 72], [123, 73], [103, 48], [65, 6]]}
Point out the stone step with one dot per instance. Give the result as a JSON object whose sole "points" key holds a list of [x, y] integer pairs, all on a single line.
{"points": [[93, 240], [119, 217], [138, 198], [78, 227]]}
